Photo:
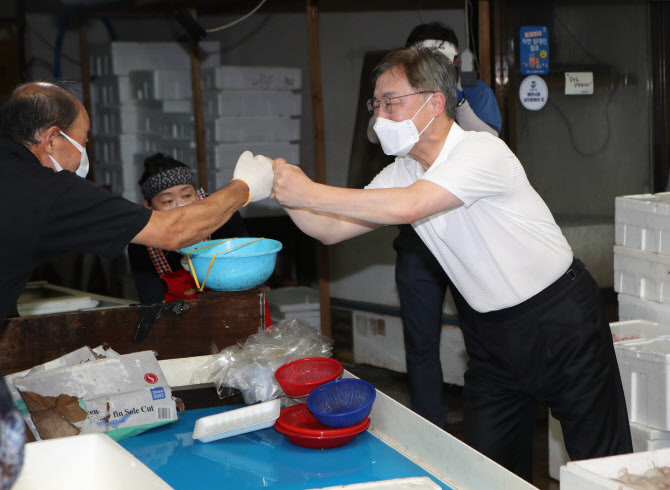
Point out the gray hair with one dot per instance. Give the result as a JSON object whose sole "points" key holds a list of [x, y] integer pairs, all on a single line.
{"points": [[35, 106], [425, 69]]}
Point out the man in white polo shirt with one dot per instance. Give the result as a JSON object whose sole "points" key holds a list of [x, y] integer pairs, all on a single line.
{"points": [[534, 323]]}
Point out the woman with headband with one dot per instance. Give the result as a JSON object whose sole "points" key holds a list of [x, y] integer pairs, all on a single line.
{"points": [[160, 275]]}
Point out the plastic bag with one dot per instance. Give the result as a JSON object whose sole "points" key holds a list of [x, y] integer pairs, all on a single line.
{"points": [[250, 366]]}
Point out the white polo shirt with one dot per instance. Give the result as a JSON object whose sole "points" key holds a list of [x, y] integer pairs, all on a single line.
{"points": [[502, 246]]}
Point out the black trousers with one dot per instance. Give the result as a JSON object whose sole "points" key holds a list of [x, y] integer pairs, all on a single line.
{"points": [[554, 348], [422, 286]]}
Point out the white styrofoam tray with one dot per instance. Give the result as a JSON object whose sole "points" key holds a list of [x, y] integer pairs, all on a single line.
{"points": [[598, 474], [642, 274], [84, 462], [412, 483], [235, 422]]}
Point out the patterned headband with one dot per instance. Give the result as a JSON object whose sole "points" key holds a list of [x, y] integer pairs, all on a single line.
{"points": [[166, 179]]}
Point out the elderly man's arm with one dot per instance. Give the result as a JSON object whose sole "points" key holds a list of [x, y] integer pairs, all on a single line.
{"points": [[186, 225], [293, 189]]}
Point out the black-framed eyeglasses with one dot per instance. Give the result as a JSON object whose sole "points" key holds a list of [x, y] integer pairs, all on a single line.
{"points": [[374, 103]]}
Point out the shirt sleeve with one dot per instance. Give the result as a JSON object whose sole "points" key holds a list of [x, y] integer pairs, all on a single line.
{"points": [[476, 168]]}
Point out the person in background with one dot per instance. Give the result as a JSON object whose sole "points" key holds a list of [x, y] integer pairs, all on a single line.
{"points": [[160, 275], [422, 284], [48, 209], [533, 319]]}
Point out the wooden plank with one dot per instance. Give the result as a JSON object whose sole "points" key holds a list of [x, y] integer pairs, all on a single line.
{"points": [[484, 42], [198, 114], [215, 318], [86, 93], [319, 153]]}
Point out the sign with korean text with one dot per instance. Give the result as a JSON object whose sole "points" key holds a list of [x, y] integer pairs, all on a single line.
{"points": [[534, 50]]}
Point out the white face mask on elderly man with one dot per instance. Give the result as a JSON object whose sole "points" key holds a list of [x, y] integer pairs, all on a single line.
{"points": [[398, 138], [82, 171]]}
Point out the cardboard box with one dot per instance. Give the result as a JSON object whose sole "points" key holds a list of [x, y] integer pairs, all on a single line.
{"points": [[121, 397]]}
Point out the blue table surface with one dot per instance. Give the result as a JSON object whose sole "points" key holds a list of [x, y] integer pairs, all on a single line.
{"points": [[263, 459]]}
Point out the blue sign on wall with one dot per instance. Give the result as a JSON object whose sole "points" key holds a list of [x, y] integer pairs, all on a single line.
{"points": [[534, 50]]}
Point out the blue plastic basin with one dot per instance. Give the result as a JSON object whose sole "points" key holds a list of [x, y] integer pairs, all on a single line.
{"points": [[243, 268]]}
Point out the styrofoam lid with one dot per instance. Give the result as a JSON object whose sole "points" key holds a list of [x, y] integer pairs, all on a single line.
{"points": [[648, 433], [293, 299], [655, 350]]}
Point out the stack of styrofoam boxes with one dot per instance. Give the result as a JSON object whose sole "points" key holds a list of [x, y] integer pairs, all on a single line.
{"points": [[290, 303], [642, 257], [250, 108], [640, 347], [379, 341], [131, 85]]}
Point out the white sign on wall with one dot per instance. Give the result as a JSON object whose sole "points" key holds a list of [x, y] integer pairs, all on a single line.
{"points": [[578, 83], [533, 93]]}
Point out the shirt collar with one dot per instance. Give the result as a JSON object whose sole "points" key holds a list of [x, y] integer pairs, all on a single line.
{"points": [[455, 136], [13, 147]]}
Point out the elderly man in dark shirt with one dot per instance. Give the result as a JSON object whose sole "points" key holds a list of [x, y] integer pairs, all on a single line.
{"points": [[48, 209]]}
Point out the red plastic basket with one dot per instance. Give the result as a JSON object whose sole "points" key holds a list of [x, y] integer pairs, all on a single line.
{"points": [[299, 378], [317, 442], [299, 419]]}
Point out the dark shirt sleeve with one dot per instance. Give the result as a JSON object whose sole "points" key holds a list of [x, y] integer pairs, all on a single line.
{"points": [[87, 218]]}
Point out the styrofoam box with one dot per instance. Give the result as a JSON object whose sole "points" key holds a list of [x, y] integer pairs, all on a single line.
{"points": [[642, 274], [247, 129], [83, 462], [178, 126], [251, 103], [644, 439], [598, 473], [301, 303], [224, 156], [177, 107], [645, 375], [293, 299], [379, 341], [122, 148], [628, 330], [251, 77], [642, 222], [161, 84], [122, 57], [632, 308], [110, 90], [128, 117]]}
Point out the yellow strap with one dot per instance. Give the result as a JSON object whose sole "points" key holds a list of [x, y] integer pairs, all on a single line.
{"points": [[190, 264], [211, 262]]}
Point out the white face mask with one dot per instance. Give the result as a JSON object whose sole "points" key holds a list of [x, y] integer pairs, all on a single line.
{"points": [[82, 171], [398, 138]]}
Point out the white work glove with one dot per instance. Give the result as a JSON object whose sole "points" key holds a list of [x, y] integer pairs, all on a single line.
{"points": [[256, 172]]}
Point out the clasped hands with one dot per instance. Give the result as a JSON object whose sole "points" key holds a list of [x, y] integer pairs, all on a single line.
{"points": [[277, 179]]}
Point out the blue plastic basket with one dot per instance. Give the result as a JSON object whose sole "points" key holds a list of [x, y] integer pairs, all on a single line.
{"points": [[233, 264], [342, 403]]}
